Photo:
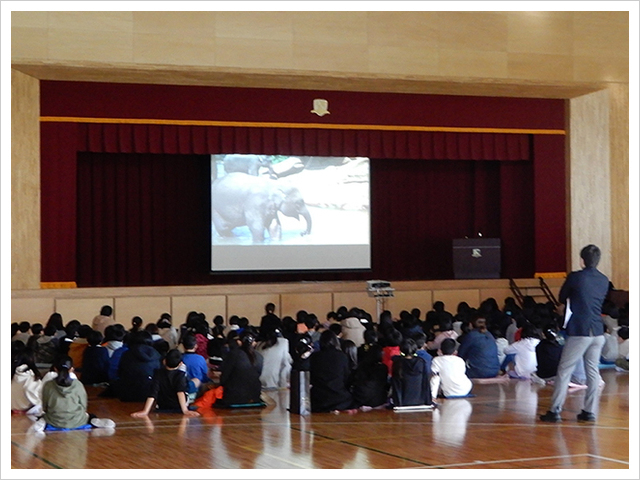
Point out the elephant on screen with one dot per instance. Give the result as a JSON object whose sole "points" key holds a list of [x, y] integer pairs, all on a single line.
{"points": [[239, 199], [246, 164]]}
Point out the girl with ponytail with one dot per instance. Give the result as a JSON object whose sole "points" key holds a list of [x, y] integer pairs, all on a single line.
{"points": [[64, 401], [241, 371]]}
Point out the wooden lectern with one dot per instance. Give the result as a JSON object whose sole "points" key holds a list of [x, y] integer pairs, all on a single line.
{"points": [[476, 258]]}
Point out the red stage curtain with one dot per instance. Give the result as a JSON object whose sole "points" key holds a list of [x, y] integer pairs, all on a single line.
{"points": [[126, 138], [409, 199], [142, 219]]}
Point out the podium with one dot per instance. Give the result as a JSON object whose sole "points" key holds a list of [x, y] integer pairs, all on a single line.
{"points": [[476, 258]]}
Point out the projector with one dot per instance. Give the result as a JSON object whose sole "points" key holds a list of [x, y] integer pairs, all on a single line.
{"points": [[379, 288], [377, 284]]}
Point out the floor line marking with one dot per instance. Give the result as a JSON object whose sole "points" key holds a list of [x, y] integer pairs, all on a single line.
{"points": [[35, 455], [600, 457], [506, 460]]}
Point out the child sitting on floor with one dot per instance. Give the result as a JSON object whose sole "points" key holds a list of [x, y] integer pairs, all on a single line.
{"points": [[520, 360], [26, 384], [449, 372], [169, 388], [64, 401]]}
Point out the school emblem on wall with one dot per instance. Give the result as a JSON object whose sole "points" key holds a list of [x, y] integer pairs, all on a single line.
{"points": [[320, 107]]}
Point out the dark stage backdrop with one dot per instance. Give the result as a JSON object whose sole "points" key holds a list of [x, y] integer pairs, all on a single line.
{"points": [[144, 219], [444, 167]]}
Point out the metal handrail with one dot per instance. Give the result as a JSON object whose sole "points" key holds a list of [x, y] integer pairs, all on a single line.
{"points": [[516, 291]]}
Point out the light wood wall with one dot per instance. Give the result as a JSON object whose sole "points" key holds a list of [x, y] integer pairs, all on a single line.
{"points": [[590, 177], [619, 140], [25, 181], [535, 54], [523, 46], [249, 300]]}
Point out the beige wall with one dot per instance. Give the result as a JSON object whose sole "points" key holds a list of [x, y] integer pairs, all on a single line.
{"points": [[249, 300], [590, 177], [619, 139], [535, 54], [25, 181], [523, 46]]}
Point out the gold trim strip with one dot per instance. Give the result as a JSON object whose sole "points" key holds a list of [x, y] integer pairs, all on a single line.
{"points": [[550, 275], [325, 126], [58, 285]]}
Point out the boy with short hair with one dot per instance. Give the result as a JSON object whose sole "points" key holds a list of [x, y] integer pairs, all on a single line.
{"points": [[194, 365], [449, 372], [169, 388]]}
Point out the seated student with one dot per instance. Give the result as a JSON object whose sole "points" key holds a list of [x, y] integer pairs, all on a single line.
{"points": [[167, 331], [329, 368], [241, 371], [64, 401], [95, 363], [370, 381], [501, 343], [79, 345], [136, 368], [114, 338], [421, 342], [23, 332], [610, 348], [622, 362], [393, 338], [195, 366], [115, 347], [410, 377], [274, 349], [548, 353], [449, 373], [520, 360], [159, 343], [479, 350], [26, 384], [370, 345], [169, 388], [269, 322], [45, 347], [444, 330]]}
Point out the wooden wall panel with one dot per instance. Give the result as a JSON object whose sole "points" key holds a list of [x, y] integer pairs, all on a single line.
{"points": [[85, 309], [590, 177], [250, 306], [355, 299], [25, 181], [619, 140], [318, 303], [32, 310], [452, 298], [409, 300], [505, 46], [210, 305], [149, 308]]}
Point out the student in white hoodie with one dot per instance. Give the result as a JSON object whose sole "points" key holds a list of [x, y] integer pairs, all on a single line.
{"points": [[520, 360], [26, 384]]}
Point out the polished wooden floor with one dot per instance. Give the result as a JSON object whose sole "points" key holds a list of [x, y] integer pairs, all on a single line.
{"points": [[496, 429]]}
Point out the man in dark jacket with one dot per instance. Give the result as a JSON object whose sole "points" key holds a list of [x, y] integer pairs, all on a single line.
{"points": [[583, 293]]}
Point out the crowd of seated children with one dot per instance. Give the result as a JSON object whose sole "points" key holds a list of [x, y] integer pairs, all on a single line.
{"points": [[377, 365]]}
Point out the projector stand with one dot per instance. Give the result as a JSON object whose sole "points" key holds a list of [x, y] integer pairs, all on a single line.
{"points": [[380, 290]]}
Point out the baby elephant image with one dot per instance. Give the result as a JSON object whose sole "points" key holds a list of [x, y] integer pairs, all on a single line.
{"points": [[239, 199]]}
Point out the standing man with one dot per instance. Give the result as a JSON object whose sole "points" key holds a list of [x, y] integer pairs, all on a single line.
{"points": [[583, 293]]}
